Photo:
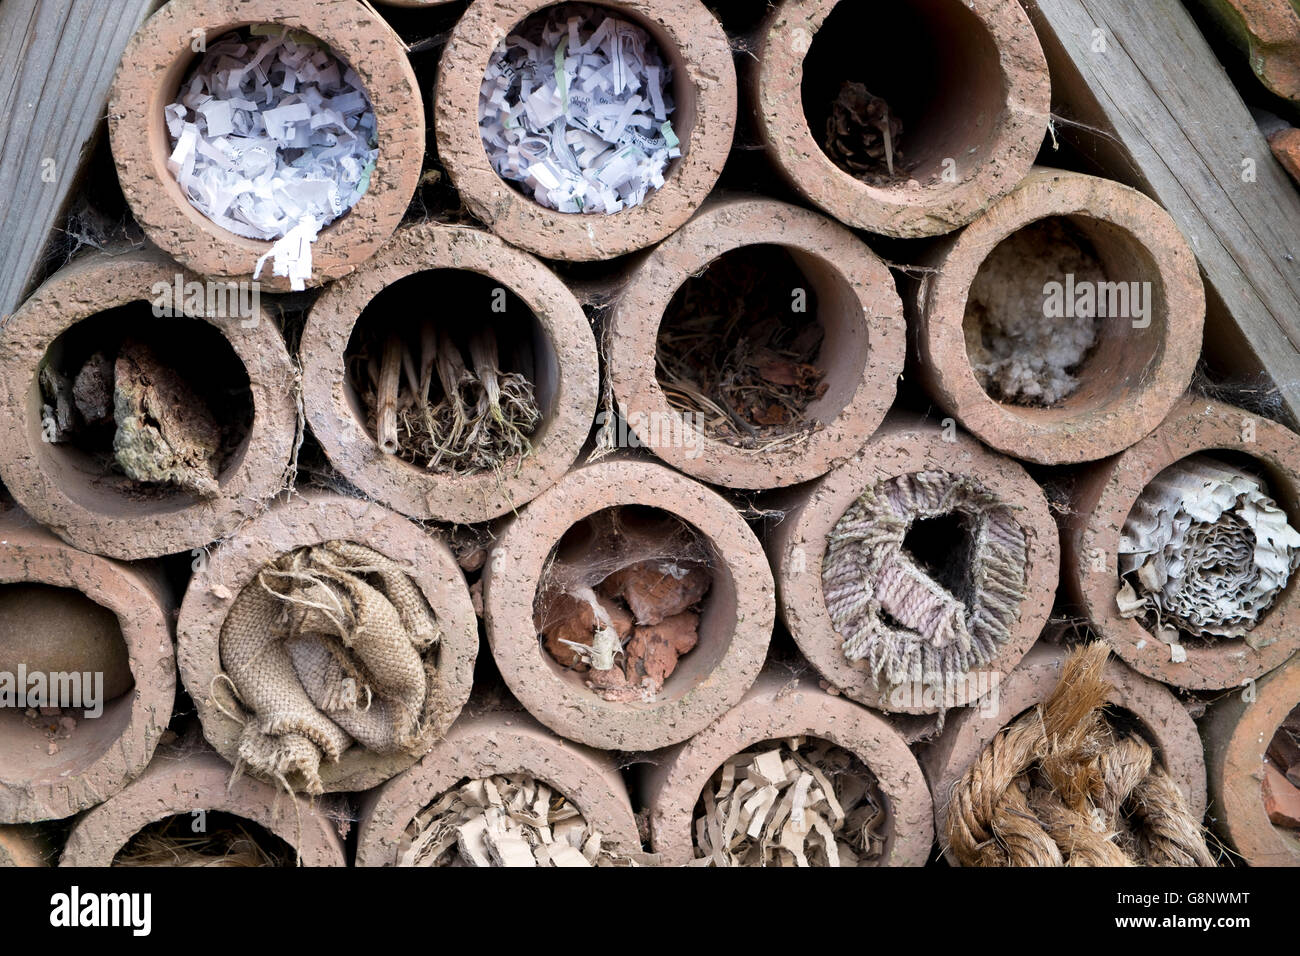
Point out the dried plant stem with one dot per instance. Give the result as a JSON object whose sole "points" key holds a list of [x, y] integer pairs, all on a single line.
{"points": [[452, 373], [390, 371]]}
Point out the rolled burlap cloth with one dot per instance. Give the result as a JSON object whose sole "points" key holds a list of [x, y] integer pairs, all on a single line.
{"points": [[327, 648]]}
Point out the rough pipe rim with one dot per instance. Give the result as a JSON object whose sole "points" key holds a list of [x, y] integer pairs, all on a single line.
{"points": [[1237, 732], [179, 783], [905, 445], [485, 745], [308, 519], [1083, 428], [33, 555], [734, 630], [1163, 717], [1104, 503], [66, 500], [154, 64], [405, 487], [1021, 67], [861, 298], [777, 707], [705, 91]]}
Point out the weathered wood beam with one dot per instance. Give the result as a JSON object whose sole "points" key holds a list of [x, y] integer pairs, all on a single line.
{"points": [[57, 59], [1169, 122]]}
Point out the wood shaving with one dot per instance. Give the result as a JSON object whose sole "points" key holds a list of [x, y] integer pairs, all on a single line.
{"points": [[504, 820], [800, 802]]}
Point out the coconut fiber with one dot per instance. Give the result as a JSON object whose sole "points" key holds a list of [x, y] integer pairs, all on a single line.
{"points": [[1062, 787]]}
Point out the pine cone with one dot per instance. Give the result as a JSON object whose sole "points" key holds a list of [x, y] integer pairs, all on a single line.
{"points": [[862, 135]]}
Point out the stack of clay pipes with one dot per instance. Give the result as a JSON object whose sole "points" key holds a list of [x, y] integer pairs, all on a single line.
{"points": [[597, 288]]}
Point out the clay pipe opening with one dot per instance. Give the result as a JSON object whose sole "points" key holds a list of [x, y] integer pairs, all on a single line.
{"points": [[1252, 741], [186, 811], [344, 53], [787, 743], [628, 606], [490, 403], [134, 425], [460, 804], [1136, 705], [703, 94], [917, 573], [87, 674], [1163, 544], [1064, 324], [370, 644], [907, 119], [757, 346]]}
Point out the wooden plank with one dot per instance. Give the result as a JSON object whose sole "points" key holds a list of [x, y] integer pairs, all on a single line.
{"points": [[57, 59], [1169, 122]]}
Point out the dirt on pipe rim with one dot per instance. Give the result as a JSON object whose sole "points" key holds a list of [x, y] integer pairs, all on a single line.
{"points": [[568, 367], [1237, 731], [704, 89], [776, 707], [155, 62], [311, 518], [857, 305], [998, 84], [1163, 721], [491, 744], [1102, 499], [906, 445], [103, 754], [185, 783], [61, 492], [735, 626], [1131, 378]]}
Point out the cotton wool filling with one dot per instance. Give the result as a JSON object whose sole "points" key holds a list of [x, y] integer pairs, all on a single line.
{"points": [[575, 106], [1020, 353], [273, 138]]}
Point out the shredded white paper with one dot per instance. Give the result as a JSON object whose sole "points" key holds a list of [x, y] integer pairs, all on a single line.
{"points": [[273, 138], [576, 107], [1207, 550]]}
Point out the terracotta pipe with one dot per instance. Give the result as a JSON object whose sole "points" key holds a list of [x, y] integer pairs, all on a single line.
{"points": [[566, 387], [101, 754], [485, 745], [307, 519], [179, 783], [734, 630], [1161, 719], [1238, 730], [965, 144], [24, 846], [1139, 366], [704, 90], [68, 491], [797, 544], [775, 708], [1104, 495], [156, 61], [861, 354]]}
